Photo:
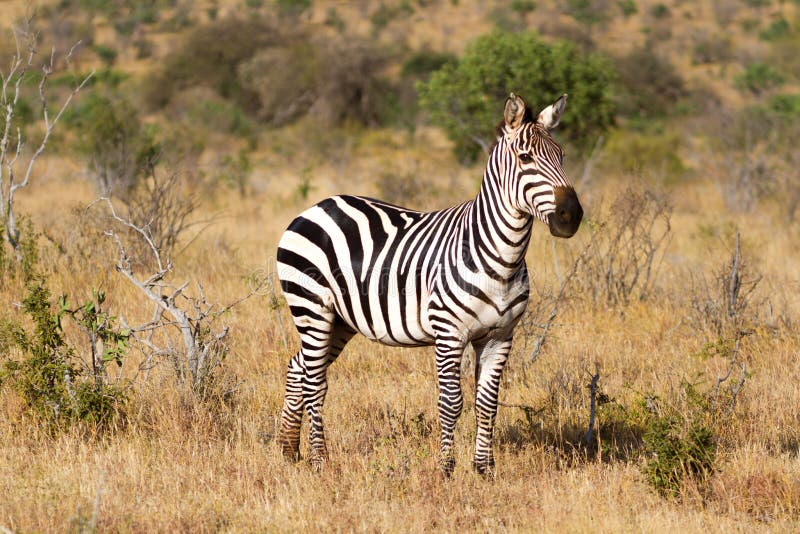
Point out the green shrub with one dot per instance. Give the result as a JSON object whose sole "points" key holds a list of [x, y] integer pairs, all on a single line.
{"points": [[648, 85], [338, 80], [710, 48], [292, 8], [466, 98], [106, 54], [222, 116], [417, 68], [235, 172], [777, 29], [787, 106], [633, 152], [628, 7], [523, 7], [48, 374], [422, 64], [758, 78], [679, 442], [677, 449], [588, 12], [210, 57], [660, 11], [114, 141]]}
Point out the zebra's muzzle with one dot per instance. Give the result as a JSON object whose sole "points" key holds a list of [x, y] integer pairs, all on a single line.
{"points": [[566, 218]]}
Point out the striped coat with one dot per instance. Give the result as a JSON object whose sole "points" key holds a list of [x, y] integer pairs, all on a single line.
{"points": [[446, 278]]}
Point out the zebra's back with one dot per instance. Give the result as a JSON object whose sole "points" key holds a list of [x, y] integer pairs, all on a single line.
{"points": [[368, 261]]}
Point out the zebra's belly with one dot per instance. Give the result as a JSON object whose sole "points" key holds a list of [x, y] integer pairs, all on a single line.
{"points": [[388, 315], [496, 321]]}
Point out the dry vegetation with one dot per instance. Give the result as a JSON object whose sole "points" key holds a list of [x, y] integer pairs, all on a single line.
{"points": [[646, 295]]}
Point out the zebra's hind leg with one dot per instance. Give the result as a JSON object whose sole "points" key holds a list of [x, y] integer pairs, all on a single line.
{"points": [[490, 360], [292, 412], [451, 401], [302, 378], [316, 389]]}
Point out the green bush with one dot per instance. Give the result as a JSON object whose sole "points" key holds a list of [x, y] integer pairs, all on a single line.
{"points": [[106, 54], [522, 6], [659, 11], [422, 64], [588, 12], [222, 116], [292, 8], [711, 48], [210, 57], [777, 29], [47, 373], [787, 106], [758, 78], [679, 443], [677, 450], [628, 7], [466, 98], [337, 80], [417, 68], [648, 85], [633, 152], [115, 143]]}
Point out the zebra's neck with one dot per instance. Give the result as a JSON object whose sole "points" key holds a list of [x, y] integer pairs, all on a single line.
{"points": [[498, 234]]}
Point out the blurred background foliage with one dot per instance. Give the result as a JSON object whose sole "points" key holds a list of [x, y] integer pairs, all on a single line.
{"points": [[645, 79]]}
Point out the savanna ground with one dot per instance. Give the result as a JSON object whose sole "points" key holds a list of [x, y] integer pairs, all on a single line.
{"points": [[688, 368]]}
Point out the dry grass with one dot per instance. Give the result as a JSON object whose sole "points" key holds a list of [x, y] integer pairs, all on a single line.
{"points": [[187, 465], [182, 464]]}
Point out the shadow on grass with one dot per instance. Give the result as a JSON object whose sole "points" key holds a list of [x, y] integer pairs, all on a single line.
{"points": [[616, 438]]}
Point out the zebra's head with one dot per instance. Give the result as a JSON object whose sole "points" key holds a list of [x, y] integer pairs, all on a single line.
{"points": [[533, 164]]}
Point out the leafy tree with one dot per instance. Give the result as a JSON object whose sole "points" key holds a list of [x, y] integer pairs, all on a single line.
{"points": [[648, 85], [466, 98], [115, 142]]}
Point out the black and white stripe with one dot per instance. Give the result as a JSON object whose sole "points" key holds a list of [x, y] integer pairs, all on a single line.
{"points": [[447, 278]]}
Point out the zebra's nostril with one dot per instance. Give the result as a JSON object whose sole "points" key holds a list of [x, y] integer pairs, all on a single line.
{"points": [[564, 215]]}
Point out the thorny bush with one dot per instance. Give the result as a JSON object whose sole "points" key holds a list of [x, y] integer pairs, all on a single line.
{"points": [[628, 243]]}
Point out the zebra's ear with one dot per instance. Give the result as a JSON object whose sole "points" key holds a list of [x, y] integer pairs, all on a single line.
{"points": [[514, 113], [551, 115]]}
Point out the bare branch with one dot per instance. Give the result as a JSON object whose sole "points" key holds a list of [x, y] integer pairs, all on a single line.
{"points": [[10, 101], [592, 408]]}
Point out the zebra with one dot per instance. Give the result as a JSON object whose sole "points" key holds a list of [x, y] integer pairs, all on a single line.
{"points": [[446, 278]]}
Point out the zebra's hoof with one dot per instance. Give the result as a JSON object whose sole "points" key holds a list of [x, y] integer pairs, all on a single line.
{"points": [[290, 452], [484, 468], [447, 465], [318, 463]]}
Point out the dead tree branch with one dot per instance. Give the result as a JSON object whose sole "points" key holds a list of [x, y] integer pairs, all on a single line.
{"points": [[193, 316], [10, 152], [592, 409]]}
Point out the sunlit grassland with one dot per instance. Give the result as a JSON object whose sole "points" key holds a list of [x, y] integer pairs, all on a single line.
{"points": [[189, 465]]}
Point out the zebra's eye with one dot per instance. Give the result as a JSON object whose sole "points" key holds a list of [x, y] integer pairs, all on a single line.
{"points": [[525, 157]]}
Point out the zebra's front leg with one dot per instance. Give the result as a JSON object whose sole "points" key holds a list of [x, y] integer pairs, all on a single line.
{"points": [[451, 401], [490, 360]]}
